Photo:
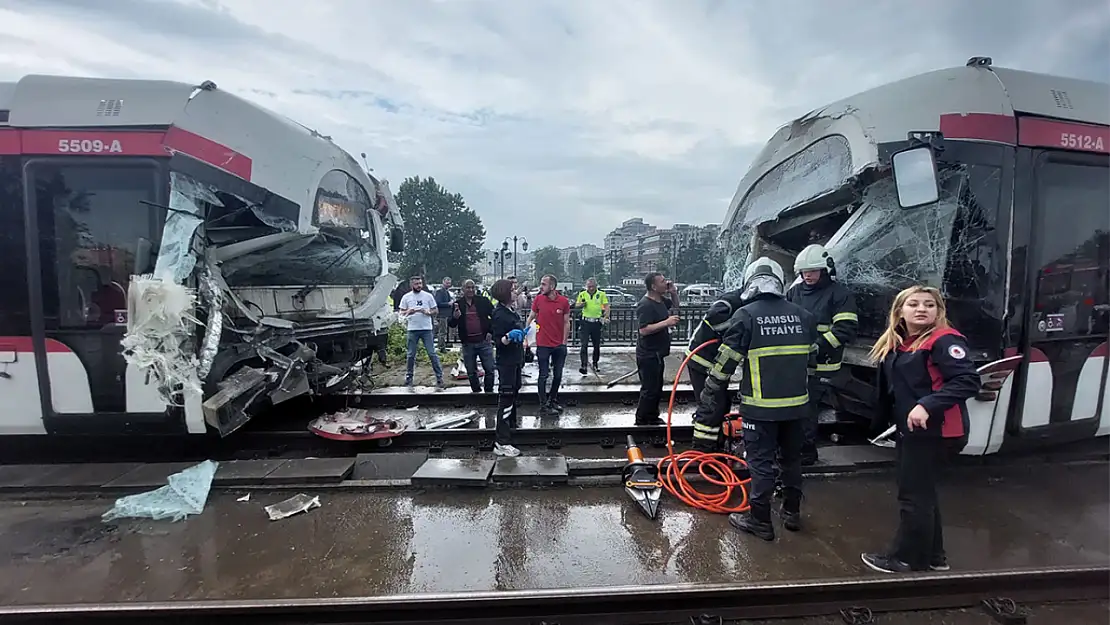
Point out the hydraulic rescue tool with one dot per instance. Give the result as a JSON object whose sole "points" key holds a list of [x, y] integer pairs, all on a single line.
{"points": [[641, 481]]}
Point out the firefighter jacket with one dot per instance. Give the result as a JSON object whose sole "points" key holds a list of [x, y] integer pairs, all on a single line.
{"points": [[775, 341], [716, 320], [834, 307], [939, 375]]}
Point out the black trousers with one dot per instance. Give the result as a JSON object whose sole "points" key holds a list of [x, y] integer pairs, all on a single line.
{"points": [[651, 373], [589, 331], [763, 441], [920, 536], [817, 390], [509, 379], [708, 423]]}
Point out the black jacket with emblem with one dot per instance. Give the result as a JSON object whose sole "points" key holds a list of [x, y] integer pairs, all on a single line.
{"points": [[834, 307], [715, 321], [774, 338]]}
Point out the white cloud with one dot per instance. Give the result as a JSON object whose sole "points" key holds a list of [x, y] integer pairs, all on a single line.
{"points": [[555, 119]]}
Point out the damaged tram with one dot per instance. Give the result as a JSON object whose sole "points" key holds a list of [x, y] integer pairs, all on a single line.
{"points": [[175, 257], [1016, 234]]}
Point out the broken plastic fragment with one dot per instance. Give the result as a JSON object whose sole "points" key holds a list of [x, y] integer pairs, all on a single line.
{"points": [[185, 493], [159, 324], [294, 505], [246, 497]]}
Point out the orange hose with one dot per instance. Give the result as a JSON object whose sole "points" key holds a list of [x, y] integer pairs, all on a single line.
{"points": [[713, 467]]}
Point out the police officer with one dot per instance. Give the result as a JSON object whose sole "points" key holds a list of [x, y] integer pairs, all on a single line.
{"points": [[834, 307], [707, 427], [774, 339]]}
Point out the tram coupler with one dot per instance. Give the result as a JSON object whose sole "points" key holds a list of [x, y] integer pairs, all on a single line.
{"points": [[641, 481]]}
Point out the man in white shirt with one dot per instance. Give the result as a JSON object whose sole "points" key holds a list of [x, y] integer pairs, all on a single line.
{"points": [[418, 307]]}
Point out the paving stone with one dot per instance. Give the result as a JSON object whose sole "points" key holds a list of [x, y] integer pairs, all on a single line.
{"points": [[148, 475], [244, 472], [66, 476], [311, 471], [18, 475], [391, 466], [532, 470], [453, 472]]}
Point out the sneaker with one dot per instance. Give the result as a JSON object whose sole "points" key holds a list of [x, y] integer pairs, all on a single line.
{"points": [[745, 522], [440, 384], [883, 563], [507, 451], [650, 422], [408, 383], [554, 405], [582, 370], [939, 564], [595, 367]]}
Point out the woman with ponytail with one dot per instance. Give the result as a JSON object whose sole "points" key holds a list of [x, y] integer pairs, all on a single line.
{"points": [[925, 379]]}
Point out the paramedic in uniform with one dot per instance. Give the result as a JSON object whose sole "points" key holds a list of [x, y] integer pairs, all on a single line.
{"points": [[774, 339], [834, 307], [707, 427]]}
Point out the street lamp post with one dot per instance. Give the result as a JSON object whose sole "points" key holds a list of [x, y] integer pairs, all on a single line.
{"points": [[499, 257], [523, 245]]}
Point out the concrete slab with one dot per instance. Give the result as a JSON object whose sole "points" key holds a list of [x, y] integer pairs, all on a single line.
{"points": [[18, 475], [76, 476], [244, 472], [453, 472], [148, 475], [391, 466], [311, 471], [847, 457], [531, 470]]}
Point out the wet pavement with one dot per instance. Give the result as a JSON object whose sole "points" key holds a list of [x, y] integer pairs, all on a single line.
{"points": [[615, 362], [386, 542], [1079, 613]]}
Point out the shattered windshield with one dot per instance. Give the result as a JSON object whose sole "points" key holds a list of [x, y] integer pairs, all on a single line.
{"points": [[332, 257], [885, 245]]}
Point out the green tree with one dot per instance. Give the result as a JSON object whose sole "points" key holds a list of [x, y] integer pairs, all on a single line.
{"points": [[622, 269], [574, 267], [546, 261], [443, 236], [593, 267]]}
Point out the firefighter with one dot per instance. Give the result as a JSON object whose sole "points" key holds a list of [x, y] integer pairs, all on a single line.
{"points": [[707, 427], [774, 338], [834, 307]]}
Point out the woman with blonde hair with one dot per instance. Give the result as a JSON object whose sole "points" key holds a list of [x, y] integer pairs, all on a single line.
{"points": [[925, 379]]}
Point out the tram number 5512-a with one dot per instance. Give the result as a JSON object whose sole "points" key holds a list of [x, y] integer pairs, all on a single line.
{"points": [[89, 146], [1077, 141]]}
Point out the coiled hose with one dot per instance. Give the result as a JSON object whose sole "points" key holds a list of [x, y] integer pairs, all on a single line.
{"points": [[714, 468]]}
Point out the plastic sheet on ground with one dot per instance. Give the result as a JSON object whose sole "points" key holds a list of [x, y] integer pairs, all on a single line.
{"points": [[294, 505], [184, 494]]}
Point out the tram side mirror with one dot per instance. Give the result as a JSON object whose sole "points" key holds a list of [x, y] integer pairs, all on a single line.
{"points": [[144, 252], [396, 240], [915, 177]]}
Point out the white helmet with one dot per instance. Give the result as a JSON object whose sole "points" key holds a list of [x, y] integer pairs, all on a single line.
{"points": [[814, 257], [764, 266]]}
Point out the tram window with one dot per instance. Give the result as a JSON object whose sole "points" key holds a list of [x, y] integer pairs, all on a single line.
{"points": [[1074, 242], [342, 202], [91, 219], [975, 251], [15, 313]]}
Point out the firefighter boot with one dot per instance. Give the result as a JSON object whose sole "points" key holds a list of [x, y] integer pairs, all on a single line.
{"points": [[791, 513], [746, 522]]}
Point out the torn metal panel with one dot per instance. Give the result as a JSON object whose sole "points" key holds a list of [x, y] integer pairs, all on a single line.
{"points": [[177, 257], [214, 298]]}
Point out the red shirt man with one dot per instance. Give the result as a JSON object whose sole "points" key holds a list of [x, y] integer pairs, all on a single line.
{"points": [[552, 311]]}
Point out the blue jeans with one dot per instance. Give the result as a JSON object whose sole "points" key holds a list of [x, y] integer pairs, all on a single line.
{"points": [[427, 337], [471, 352]]}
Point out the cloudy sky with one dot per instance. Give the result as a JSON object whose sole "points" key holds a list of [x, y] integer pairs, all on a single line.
{"points": [[556, 119]]}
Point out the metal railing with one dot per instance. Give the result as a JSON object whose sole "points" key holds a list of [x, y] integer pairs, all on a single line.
{"points": [[623, 328]]}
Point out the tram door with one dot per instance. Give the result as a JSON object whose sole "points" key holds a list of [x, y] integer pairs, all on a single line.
{"points": [[94, 218], [1066, 372]]}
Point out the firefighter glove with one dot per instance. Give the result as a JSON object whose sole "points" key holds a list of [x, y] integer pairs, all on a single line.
{"points": [[516, 336]]}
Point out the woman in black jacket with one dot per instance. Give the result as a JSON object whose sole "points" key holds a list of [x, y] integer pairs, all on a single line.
{"points": [[925, 379], [507, 332]]}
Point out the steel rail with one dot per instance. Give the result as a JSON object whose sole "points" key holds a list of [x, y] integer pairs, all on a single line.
{"points": [[625, 605]]}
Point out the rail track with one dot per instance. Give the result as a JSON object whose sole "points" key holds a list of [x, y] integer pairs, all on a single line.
{"points": [[643, 605]]}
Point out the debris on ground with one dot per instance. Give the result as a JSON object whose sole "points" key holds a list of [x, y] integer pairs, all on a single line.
{"points": [[185, 493], [294, 505], [355, 424], [453, 422], [246, 497]]}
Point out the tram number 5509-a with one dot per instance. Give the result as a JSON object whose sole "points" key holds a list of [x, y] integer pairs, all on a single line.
{"points": [[1081, 142], [89, 146]]}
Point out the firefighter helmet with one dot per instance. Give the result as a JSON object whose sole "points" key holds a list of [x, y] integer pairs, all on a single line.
{"points": [[764, 266], [813, 257]]}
